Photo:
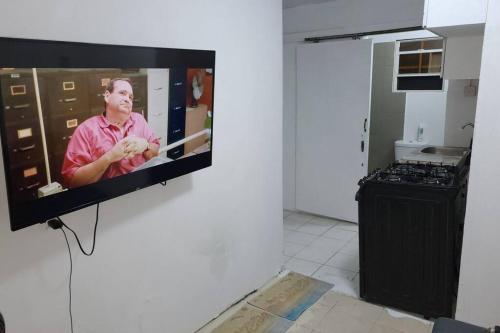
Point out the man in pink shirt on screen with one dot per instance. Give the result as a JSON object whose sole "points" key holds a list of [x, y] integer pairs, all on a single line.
{"points": [[112, 144]]}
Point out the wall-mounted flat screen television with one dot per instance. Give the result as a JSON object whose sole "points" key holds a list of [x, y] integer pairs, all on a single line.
{"points": [[83, 123]]}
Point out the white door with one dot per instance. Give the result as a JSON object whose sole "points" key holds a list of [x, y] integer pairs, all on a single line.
{"points": [[333, 112]]}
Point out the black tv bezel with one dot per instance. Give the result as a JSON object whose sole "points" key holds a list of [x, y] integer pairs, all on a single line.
{"points": [[34, 53]]}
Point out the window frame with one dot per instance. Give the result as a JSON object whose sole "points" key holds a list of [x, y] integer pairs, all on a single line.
{"points": [[396, 75]]}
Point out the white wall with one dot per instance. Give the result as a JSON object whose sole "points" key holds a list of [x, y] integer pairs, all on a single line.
{"points": [[479, 288], [429, 109], [463, 57], [350, 16], [167, 258], [289, 124], [460, 109], [387, 111]]}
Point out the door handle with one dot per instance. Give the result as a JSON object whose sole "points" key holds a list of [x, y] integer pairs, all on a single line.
{"points": [[362, 146], [21, 106], [29, 187], [364, 125], [27, 148]]}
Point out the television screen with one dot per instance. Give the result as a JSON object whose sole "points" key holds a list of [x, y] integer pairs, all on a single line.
{"points": [[83, 123]]}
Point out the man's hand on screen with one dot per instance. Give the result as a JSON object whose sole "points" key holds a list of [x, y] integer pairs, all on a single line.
{"points": [[135, 145], [118, 151]]}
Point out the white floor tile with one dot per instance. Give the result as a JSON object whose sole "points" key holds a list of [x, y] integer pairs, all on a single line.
{"points": [[347, 226], [299, 217], [316, 254], [351, 248], [302, 266], [324, 221], [344, 261], [396, 313], [287, 213], [309, 252], [329, 243], [291, 249], [314, 228], [340, 234], [326, 272], [347, 286], [341, 284], [355, 240], [292, 224], [296, 220], [299, 237]]}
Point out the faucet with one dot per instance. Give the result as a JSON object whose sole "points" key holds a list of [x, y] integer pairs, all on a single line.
{"points": [[471, 125]]}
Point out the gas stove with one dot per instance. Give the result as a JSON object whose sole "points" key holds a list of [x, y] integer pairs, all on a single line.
{"points": [[409, 173], [410, 233]]}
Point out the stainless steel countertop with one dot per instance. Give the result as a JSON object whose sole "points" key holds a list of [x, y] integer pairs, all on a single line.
{"points": [[419, 157]]}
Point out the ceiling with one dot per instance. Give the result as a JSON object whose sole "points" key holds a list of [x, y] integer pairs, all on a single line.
{"points": [[295, 3]]}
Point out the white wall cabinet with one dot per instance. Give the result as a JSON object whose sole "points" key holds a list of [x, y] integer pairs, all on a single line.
{"points": [[455, 17]]}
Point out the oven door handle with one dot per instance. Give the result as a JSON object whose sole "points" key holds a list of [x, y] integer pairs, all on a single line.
{"points": [[27, 147], [29, 187], [21, 106]]}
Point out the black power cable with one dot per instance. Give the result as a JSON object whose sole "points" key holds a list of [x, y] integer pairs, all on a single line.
{"points": [[57, 223], [70, 275], [76, 237]]}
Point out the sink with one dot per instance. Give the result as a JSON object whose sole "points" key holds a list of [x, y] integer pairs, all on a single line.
{"points": [[438, 155], [445, 151]]}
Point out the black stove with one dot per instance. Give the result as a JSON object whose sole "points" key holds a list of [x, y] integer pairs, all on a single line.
{"points": [[410, 221], [409, 173]]}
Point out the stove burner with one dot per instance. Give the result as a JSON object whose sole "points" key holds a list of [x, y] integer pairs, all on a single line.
{"points": [[405, 169], [394, 178], [431, 180], [439, 172], [418, 174]]}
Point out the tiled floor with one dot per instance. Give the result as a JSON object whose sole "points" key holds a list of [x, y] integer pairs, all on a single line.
{"points": [[335, 313], [332, 313], [327, 249], [323, 248]]}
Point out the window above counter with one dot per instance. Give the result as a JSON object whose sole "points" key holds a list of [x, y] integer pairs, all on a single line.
{"points": [[418, 65]]}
